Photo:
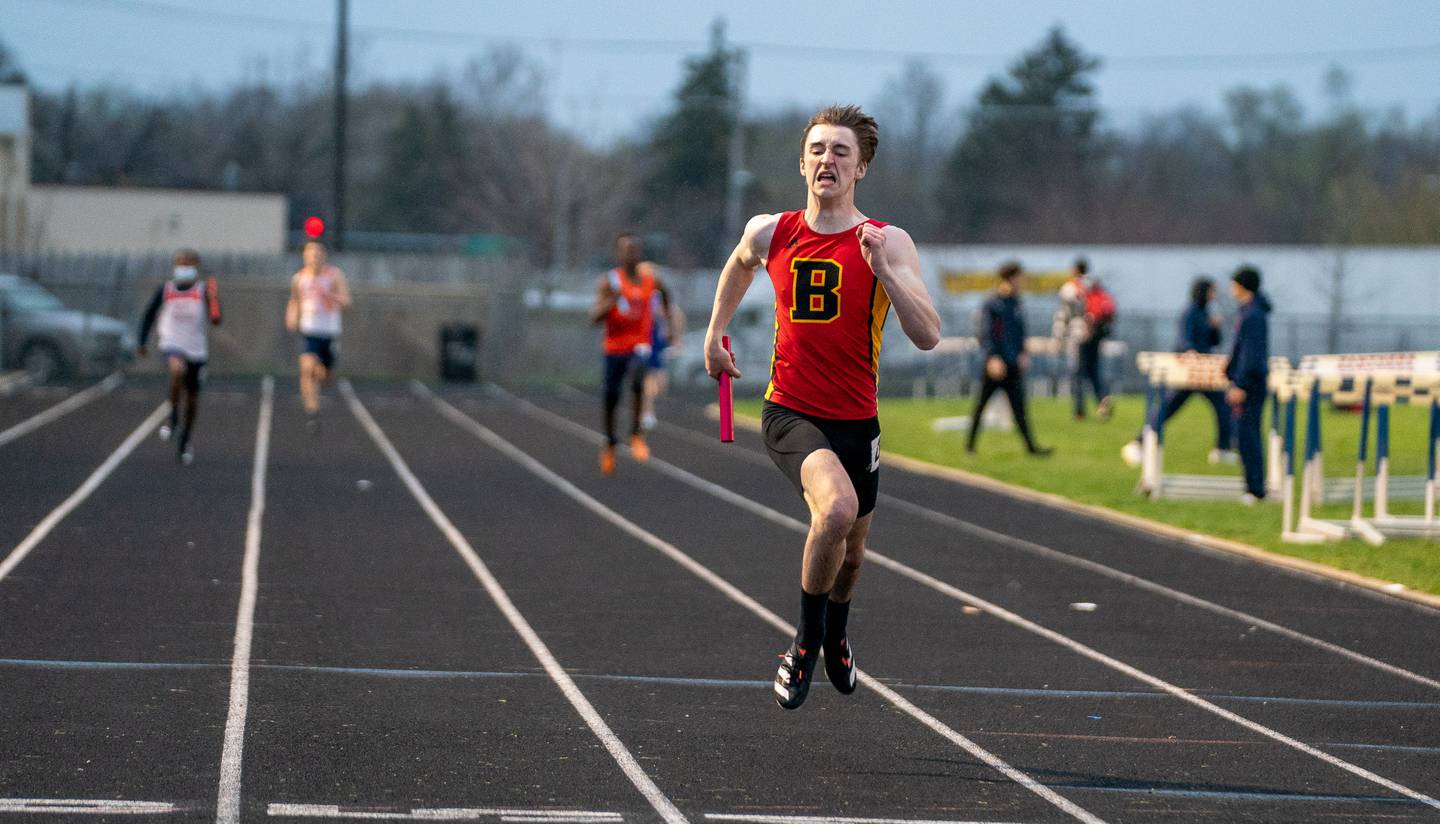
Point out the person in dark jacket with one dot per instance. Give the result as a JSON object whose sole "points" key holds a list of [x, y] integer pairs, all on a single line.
{"points": [[1199, 331], [1002, 339], [1249, 372]]}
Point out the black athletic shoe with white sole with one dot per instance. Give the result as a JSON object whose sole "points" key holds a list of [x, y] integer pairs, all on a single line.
{"points": [[792, 680], [840, 665]]}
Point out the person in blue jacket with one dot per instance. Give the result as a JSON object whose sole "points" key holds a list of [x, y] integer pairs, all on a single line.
{"points": [[1199, 331], [1002, 339], [1249, 372]]}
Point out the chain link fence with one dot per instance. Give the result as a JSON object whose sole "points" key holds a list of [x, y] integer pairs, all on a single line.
{"points": [[533, 325]]}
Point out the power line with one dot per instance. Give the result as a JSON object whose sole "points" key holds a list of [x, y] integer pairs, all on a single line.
{"points": [[773, 50]]}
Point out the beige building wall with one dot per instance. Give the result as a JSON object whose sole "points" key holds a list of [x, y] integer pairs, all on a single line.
{"points": [[100, 220], [14, 163]]}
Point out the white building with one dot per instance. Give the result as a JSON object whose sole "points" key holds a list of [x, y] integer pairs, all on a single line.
{"points": [[113, 220]]}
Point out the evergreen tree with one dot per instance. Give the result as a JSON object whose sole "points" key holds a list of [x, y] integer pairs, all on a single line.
{"points": [[1031, 136]]}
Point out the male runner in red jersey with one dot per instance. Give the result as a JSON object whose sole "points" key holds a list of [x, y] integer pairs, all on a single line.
{"points": [[836, 274], [624, 304]]}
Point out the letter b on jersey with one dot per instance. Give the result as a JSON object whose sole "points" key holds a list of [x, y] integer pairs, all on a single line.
{"points": [[817, 291]]}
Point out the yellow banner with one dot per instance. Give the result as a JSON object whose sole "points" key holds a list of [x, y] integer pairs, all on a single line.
{"points": [[967, 281]]}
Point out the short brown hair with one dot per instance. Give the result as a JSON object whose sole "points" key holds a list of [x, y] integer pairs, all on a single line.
{"points": [[867, 131], [1009, 270]]}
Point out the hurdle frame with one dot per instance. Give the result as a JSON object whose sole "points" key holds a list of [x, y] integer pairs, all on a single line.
{"points": [[1154, 483], [1391, 378]]}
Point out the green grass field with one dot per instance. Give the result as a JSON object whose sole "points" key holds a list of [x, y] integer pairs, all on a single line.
{"points": [[1086, 467]]}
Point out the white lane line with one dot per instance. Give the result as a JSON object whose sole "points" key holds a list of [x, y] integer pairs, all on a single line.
{"points": [[86, 489], [754, 607], [1014, 620], [85, 806], [232, 756], [627, 762], [62, 408], [446, 814], [1052, 554], [1159, 589], [823, 819]]}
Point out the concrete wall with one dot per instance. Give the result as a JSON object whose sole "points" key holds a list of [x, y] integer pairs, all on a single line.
{"points": [[391, 332], [92, 219], [14, 163]]}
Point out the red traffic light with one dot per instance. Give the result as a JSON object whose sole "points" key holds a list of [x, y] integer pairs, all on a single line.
{"points": [[314, 227]]}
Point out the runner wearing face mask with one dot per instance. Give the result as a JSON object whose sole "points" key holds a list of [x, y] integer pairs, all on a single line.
{"points": [[183, 309]]}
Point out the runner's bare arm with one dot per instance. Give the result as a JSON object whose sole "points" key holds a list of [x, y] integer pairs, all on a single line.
{"points": [[342, 290], [892, 255], [735, 279], [604, 300], [292, 309]]}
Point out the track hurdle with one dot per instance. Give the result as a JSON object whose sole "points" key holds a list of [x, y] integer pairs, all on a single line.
{"points": [[1173, 371], [1374, 381]]}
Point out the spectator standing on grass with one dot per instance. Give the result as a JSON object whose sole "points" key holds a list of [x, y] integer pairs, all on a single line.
{"points": [[1249, 372], [1002, 339], [1068, 326], [1199, 332], [1098, 322]]}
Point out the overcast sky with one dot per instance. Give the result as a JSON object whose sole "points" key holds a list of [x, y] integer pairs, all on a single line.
{"points": [[611, 65]]}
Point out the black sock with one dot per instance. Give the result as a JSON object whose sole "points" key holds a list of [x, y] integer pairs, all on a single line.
{"points": [[812, 620], [174, 417], [836, 615]]}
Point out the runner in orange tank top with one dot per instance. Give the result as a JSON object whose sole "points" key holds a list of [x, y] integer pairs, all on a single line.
{"points": [[836, 273], [623, 304]]}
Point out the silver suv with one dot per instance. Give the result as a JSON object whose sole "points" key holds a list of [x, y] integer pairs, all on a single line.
{"points": [[39, 335]]}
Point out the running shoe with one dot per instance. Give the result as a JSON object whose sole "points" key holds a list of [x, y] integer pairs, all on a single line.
{"points": [[792, 680], [165, 431], [187, 457], [607, 461], [648, 421], [840, 665], [639, 448]]}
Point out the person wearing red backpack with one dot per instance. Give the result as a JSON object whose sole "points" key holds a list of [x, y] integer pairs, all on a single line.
{"points": [[1099, 320]]}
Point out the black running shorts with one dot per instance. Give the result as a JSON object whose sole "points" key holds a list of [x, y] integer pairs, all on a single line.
{"points": [[791, 436]]}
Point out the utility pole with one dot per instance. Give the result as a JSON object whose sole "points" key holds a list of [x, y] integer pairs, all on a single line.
{"points": [[736, 176], [342, 38]]}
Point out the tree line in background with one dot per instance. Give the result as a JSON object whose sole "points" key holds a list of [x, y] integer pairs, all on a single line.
{"points": [[1031, 160]]}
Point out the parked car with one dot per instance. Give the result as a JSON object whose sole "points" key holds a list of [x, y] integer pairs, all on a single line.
{"points": [[39, 335]]}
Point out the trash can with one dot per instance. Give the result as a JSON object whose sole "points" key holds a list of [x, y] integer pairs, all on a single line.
{"points": [[459, 352]]}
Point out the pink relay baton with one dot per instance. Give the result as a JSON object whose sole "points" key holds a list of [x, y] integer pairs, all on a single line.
{"points": [[727, 401]]}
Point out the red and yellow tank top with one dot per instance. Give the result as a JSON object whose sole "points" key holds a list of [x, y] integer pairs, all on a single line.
{"points": [[628, 324], [829, 321]]}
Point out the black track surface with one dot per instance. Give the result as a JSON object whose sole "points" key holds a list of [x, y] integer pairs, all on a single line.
{"points": [[384, 678]]}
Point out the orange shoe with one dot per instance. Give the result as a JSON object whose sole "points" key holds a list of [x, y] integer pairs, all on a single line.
{"points": [[639, 448], [607, 461]]}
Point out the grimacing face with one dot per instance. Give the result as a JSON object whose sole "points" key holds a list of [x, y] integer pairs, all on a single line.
{"points": [[314, 255], [830, 161], [629, 250]]}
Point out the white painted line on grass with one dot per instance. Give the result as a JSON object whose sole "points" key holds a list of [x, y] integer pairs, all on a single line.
{"points": [[232, 756], [1011, 618], [627, 762], [1049, 553], [85, 806], [739, 597], [445, 814], [62, 408], [86, 489]]}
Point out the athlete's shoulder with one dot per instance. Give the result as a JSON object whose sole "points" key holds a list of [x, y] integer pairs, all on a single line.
{"points": [[893, 232], [762, 228]]}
